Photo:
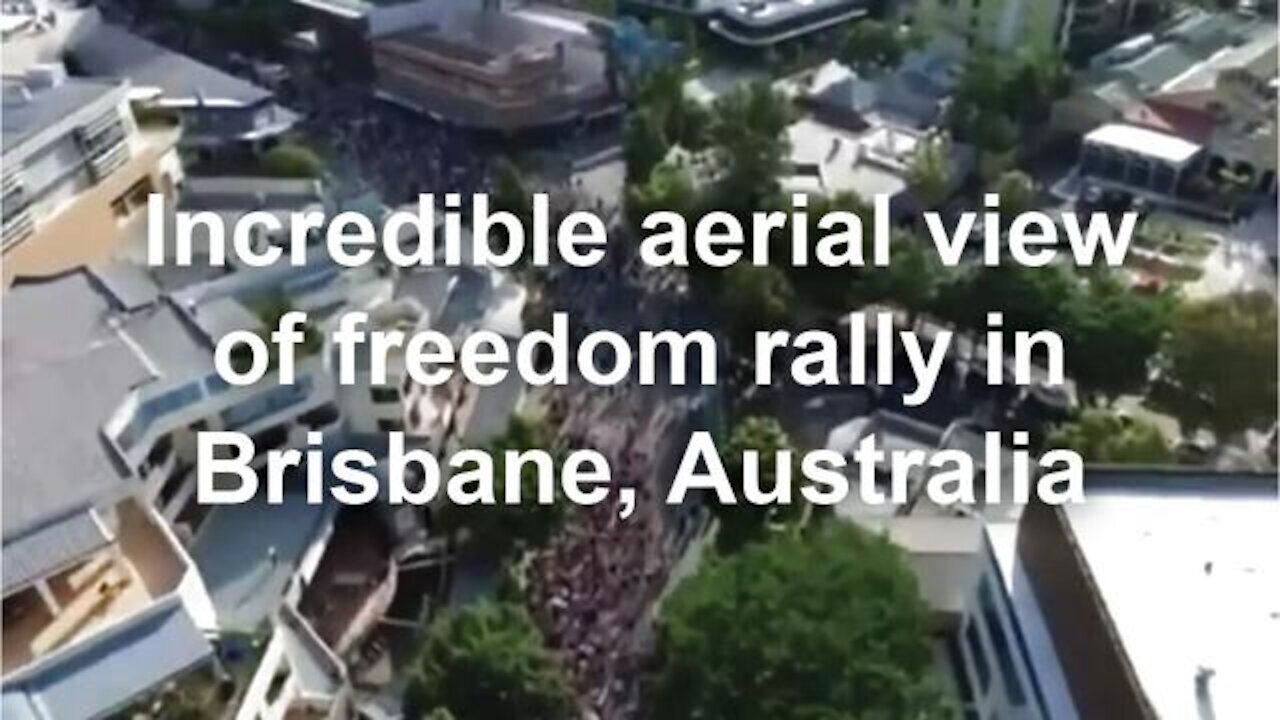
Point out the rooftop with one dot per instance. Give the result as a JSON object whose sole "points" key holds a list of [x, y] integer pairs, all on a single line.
{"points": [[110, 670], [240, 193], [247, 553], [113, 51], [1189, 556], [66, 370], [29, 109], [72, 358], [1146, 142], [945, 552]]}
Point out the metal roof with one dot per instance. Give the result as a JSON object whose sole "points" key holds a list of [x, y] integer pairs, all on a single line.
{"points": [[103, 674], [29, 557], [1185, 564], [66, 371], [112, 50], [27, 111], [1145, 142]]}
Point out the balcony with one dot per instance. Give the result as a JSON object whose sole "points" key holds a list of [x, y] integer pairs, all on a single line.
{"points": [[59, 242], [323, 417], [117, 582]]}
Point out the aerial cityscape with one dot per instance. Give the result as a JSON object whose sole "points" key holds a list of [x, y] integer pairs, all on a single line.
{"points": [[127, 123]]}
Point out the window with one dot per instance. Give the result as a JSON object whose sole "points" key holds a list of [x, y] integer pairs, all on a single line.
{"points": [[172, 485], [277, 684], [979, 655], [266, 404], [159, 453], [1000, 643], [384, 395], [132, 200]]}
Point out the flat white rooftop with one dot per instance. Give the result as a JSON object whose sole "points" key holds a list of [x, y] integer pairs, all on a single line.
{"points": [[1142, 141], [1191, 579]]}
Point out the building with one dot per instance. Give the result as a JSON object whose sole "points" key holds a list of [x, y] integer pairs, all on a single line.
{"points": [[474, 63], [1094, 24], [862, 135], [981, 658], [75, 157], [1159, 593], [111, 563], [101, 600], [218, 110], [997, 25], [915, 95], [35, 32], [1140, 158], [757, 24], [479, 66], [1208, 78]]}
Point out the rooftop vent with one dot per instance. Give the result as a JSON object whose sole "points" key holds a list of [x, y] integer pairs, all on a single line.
{"points": [[45, 76]]}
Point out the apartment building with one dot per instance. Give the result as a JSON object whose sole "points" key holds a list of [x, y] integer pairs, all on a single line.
{"points": [[981, 657], [219, 111], [77, 169], [997, 25], [101, 600], [1158, 595]]}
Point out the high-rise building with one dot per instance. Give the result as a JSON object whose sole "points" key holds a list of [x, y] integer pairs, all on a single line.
{"points": [[78, 167], [1000, 25]]}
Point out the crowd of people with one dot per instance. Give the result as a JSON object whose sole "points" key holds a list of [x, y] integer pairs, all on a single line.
{"points": [[396, 152], [592, 587]]}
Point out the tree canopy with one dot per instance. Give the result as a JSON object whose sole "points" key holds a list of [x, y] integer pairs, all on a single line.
{"points": [[292, 160], [497, 530], [872, 44], [828, 624], [1112, 334], [1017, 193], [751, 297], [1223, 351], [512, 191], [486, 660], [1101, 436], [747, 127], [1028, 298], [930, 171], [744, 522]]}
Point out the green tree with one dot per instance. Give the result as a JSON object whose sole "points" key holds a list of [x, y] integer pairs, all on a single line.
{"points": [[669, 188], [911, 280], [1035, 81], [871, 45], [1105, 437], [828, 624], [744, 522], [929, 173], [1017, 194], [644, 145], [1111, 336], [747, 128], [1223, 351], [292, 160], [498, 530], [751, 298], [487, 660], [1029, 298], [831, 289], [512, 191]]}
